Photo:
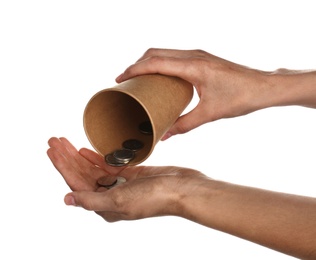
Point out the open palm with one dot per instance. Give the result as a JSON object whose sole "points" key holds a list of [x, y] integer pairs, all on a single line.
{"points": [[80, 169]]}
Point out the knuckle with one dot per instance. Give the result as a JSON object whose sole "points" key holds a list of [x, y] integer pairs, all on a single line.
{"points": [[124, 204], [87, 205], [150, 51], [199, 52], [120, 201], [154, 59]]}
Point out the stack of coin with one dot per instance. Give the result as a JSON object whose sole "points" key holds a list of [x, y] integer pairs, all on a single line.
{"points": [[120, 157], [123, 156]]}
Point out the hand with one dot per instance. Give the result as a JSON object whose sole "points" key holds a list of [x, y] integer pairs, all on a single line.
{"points": [[225, 89], [245, 212], [148, 192], [80, 169]]}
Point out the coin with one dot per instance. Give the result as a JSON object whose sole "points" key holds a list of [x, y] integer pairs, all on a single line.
{"points": [[112, 161], [146, 128], [124, 155], [108, 185], [133, 144], [119, 180], [107, 181]]}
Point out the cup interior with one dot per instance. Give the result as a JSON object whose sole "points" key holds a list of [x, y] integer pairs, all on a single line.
{"points": [[112, 117]]}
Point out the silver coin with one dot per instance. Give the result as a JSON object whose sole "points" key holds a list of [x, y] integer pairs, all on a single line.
{"points": [[133, 144], [124, 155], [108, 186], [112, 161], [146, 128], [118, 181]]}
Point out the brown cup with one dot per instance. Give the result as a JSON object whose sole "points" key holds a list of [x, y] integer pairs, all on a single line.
{"points": [[113, 115]]}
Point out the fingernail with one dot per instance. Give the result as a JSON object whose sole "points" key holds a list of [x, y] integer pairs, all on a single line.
{"points": [[118, 79], [70, 200], [166, 136]]}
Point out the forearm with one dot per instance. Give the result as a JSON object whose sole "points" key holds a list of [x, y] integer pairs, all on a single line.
{"points": [[284, 87], [283, 222]]}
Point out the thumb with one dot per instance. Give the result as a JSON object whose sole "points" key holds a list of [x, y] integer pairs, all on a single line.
{"points": [[186, 123], [89, 200]]}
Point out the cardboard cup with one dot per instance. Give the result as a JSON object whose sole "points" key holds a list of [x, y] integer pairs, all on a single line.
{"points": [[113, 115]]}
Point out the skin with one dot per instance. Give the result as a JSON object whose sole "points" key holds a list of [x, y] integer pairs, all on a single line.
{"points": [[283, 222], [225, 89]]}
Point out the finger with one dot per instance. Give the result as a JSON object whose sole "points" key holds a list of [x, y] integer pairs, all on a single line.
{"points": [[97, 159], [82, 162], [71, 153], [56, 143], [92, 156], [187, 122], [78, 172], [182, 56], [171, 66], [94, 201], [70, 175], [71, 149], [163, 52], [57, 158], [111, 208]]}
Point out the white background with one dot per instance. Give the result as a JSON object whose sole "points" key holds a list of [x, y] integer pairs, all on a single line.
{"points": [[54, 55]]}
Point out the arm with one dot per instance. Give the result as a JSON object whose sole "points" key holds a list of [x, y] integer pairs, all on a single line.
{"points": [[279, 221], [293, 88], [225, 89]]}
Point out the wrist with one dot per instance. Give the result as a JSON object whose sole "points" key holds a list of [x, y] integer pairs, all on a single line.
{"points": [[196, 204]]}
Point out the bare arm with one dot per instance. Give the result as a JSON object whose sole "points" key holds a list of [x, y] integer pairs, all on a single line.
{"points": [[292, 88], [280, 221], [226, 89], [283, 222]]}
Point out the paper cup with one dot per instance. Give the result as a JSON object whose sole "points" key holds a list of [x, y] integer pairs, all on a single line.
{"points": [[113, 115]]}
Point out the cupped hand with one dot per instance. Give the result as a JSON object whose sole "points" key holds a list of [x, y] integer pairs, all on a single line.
{"points": [[148, 192]]}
